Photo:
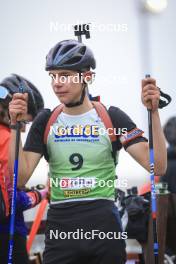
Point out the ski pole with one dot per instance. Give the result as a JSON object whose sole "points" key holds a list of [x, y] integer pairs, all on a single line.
{"points": [[14, 191], [153, 189]]}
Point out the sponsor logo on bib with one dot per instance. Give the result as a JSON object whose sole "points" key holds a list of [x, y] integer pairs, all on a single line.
{"points": [[77, 183]]}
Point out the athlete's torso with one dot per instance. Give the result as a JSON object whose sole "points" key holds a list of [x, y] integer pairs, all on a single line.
{"points": [[80, 159]]}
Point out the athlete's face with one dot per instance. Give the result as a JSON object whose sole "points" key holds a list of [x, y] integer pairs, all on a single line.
{"points": [[66, 85]]}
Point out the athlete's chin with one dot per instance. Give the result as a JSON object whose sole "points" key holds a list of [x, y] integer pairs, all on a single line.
{"points": [[63, 99]]}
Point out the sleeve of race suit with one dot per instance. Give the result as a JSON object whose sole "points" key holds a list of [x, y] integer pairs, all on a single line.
{"points": [[34, 141], [128, 132]]}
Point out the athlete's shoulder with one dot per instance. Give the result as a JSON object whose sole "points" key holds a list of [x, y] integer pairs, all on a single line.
{"points": [[39, 123], [120, 118], [34, 141], [43, 115], [42, 118], [115, 110]]}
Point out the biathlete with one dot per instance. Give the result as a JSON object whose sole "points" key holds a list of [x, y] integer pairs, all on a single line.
{"points": [[83, 224], [25, 199]]}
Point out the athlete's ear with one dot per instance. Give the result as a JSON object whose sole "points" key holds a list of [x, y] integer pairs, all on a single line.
{"points": [[88, 77]]}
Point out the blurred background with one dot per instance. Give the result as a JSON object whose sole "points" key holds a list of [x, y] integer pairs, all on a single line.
{"points": [[129, 39]]}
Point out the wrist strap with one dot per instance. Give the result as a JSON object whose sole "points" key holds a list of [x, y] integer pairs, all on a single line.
{"points": [[15, 126], [167, 97]]}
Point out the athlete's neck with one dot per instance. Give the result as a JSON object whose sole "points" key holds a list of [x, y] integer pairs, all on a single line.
{"points": [[78, 110]]}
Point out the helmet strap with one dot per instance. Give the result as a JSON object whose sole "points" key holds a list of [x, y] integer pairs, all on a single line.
{"points": [[80, 102]]}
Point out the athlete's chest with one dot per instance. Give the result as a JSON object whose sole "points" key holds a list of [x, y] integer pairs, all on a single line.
{"points": [[73, 140]]}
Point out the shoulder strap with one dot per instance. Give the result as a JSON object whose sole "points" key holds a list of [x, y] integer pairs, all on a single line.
{"points": [[103, 114], [101, 111], [51, 120]]}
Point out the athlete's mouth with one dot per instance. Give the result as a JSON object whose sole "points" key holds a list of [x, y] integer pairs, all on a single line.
{"points": [[61, 93]]}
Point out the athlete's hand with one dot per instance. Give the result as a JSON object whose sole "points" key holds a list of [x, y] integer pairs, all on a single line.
{"points": [[150, 94], [18, 107]]}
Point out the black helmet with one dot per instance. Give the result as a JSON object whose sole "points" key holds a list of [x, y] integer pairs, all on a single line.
{"points": [[71, 55], [170, 131], [35, 99]]}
